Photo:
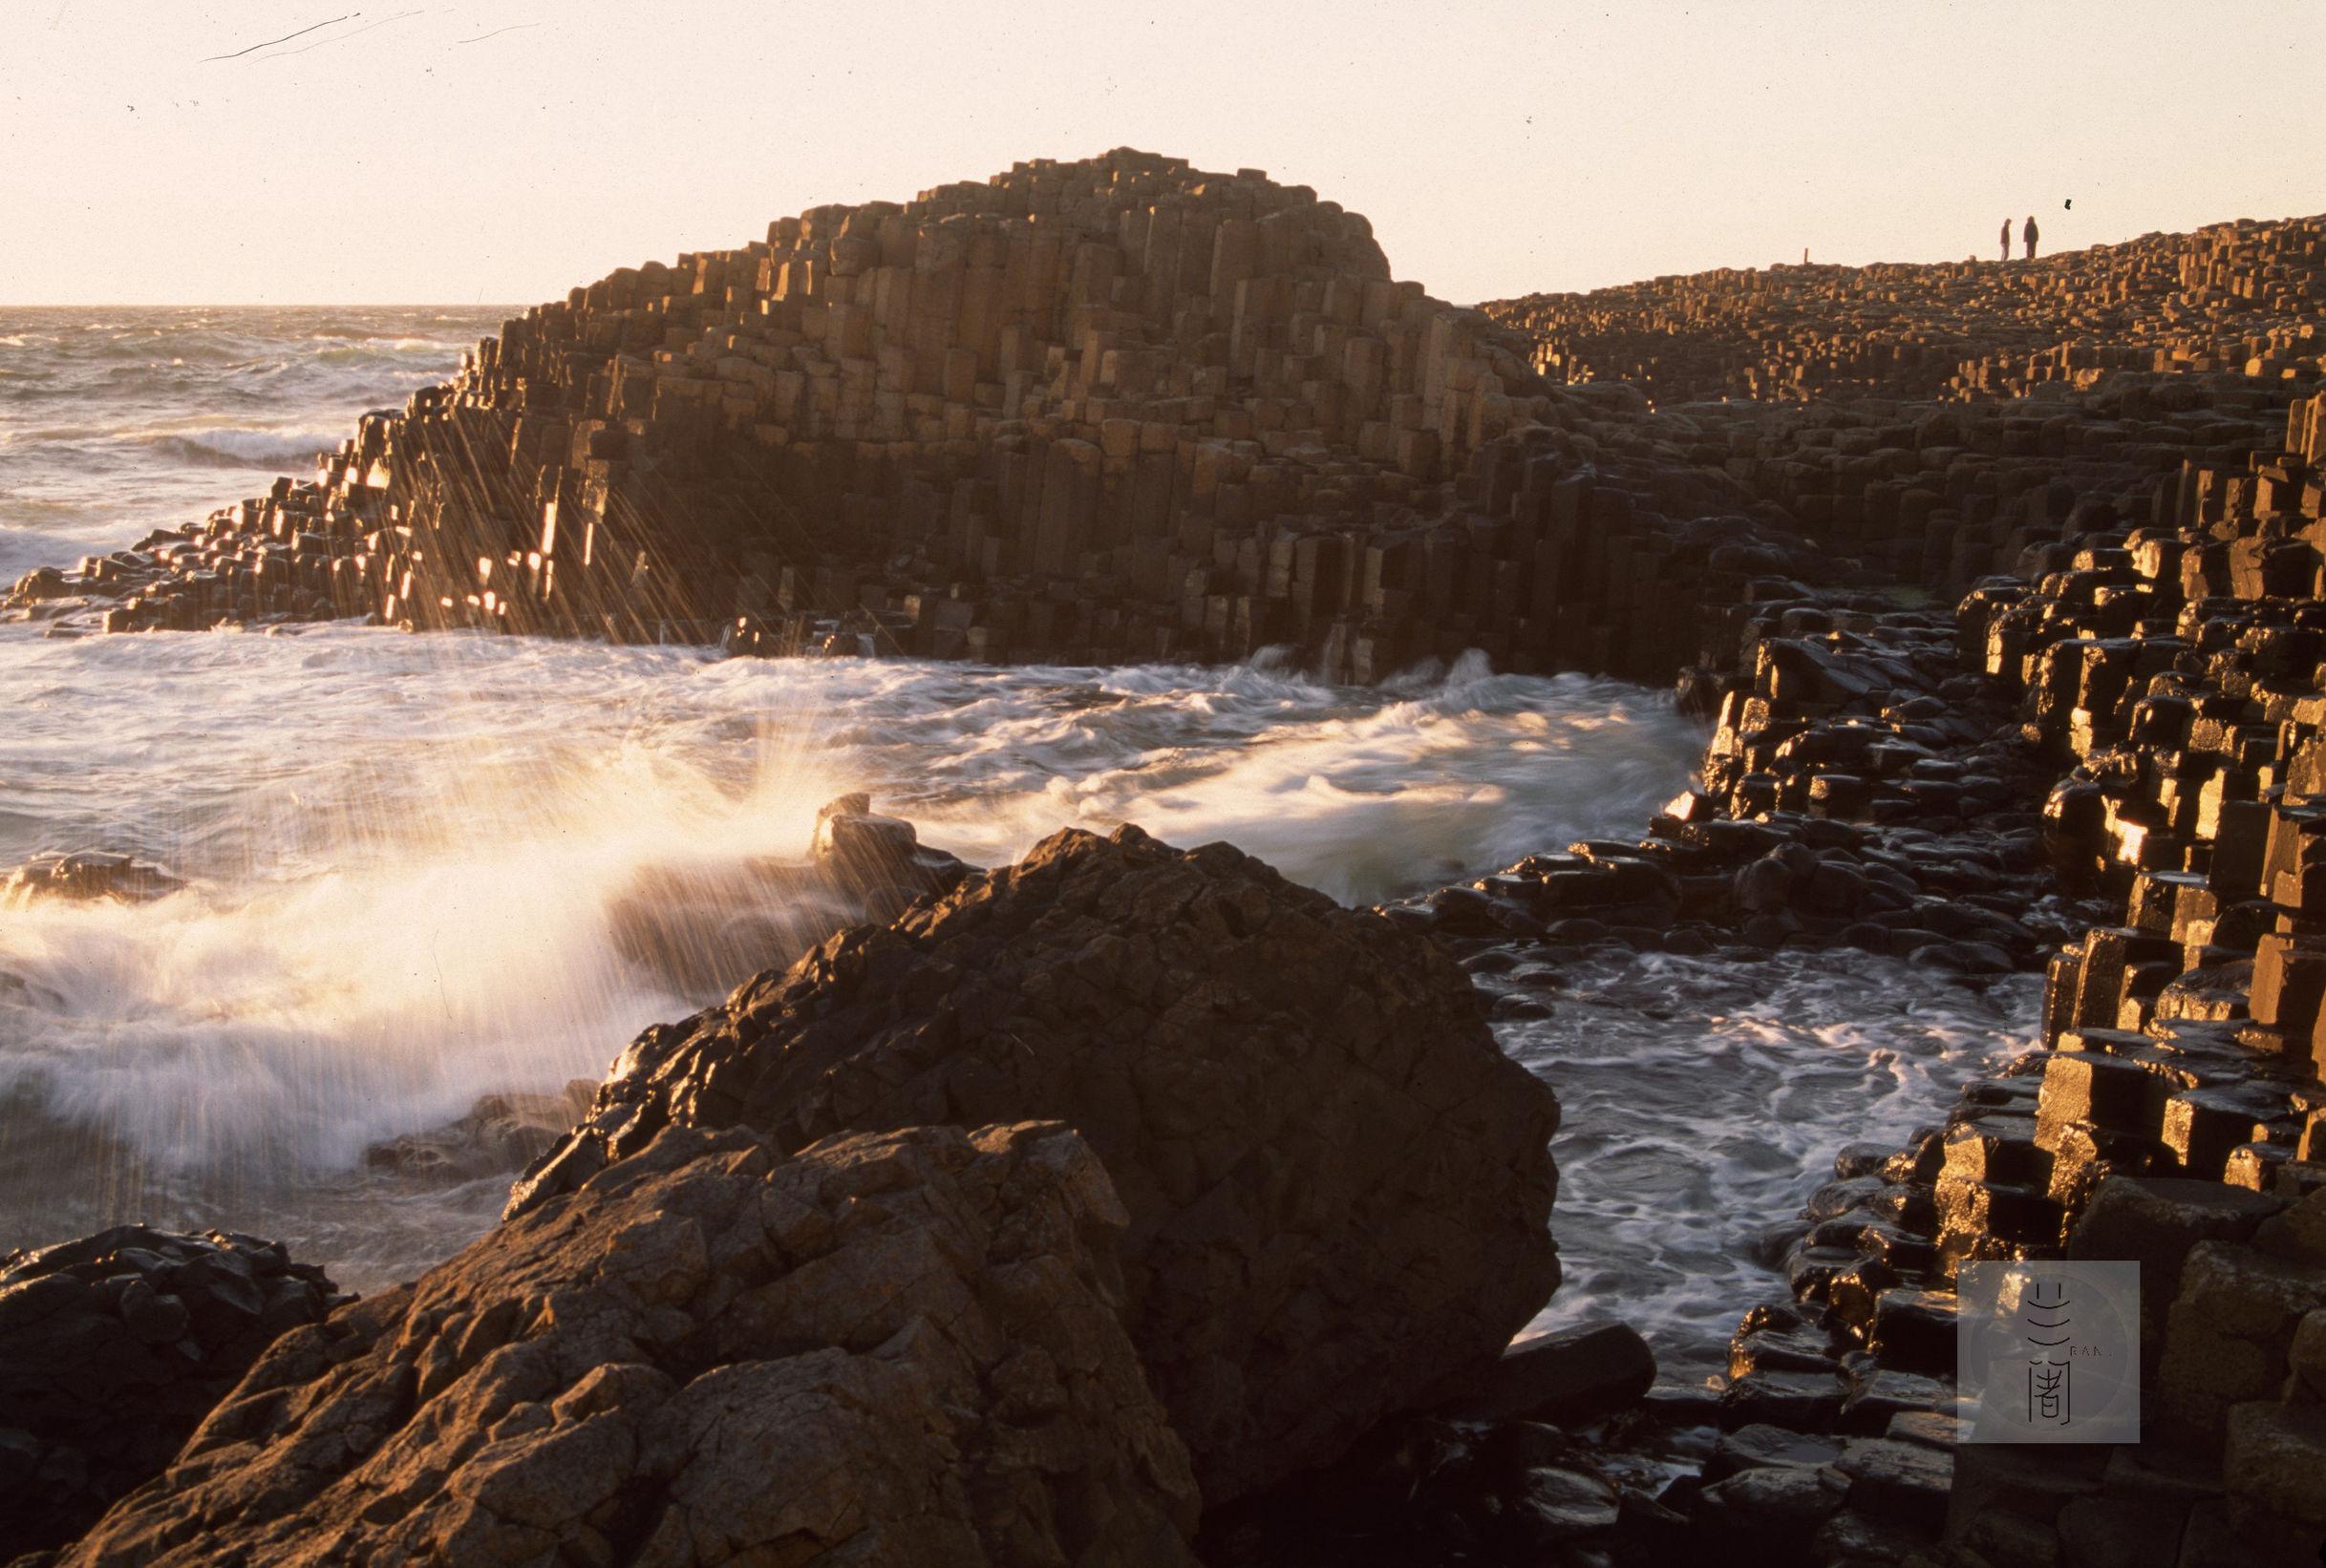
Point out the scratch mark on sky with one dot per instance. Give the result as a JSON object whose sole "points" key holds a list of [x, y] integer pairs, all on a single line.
{"points": [[514, 26], [338, 38], [269, 43]]}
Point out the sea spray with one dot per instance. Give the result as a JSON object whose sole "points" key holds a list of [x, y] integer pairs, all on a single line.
{"points": [[416, 863]]}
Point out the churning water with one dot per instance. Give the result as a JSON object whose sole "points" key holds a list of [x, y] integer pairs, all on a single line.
{"points": [[415, 866]]}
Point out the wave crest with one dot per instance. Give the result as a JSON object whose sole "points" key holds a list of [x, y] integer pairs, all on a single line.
{"points": [[244, 448]]}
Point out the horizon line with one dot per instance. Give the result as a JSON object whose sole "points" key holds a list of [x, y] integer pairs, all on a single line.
{"points": [[260, 304]]}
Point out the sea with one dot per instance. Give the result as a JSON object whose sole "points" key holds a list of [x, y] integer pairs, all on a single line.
{"points": [[413, 864]]}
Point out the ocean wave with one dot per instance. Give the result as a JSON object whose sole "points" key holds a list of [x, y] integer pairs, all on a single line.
{"points": [[243, 448], [399, 337], [382, 352]]}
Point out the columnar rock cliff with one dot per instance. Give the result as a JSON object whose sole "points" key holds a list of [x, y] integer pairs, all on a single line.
{"points": [[1116, 405]]}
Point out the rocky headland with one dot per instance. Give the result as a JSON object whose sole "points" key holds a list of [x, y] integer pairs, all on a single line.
{"points": [[1132, 1205]]}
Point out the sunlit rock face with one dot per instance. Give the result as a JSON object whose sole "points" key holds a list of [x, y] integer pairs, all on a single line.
{"points": [[895, 1349], [1338, 1187], [1117, 407]]}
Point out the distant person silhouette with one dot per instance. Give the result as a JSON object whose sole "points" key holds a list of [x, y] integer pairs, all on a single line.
{"points": [[2007, 239], [2030, 234]]}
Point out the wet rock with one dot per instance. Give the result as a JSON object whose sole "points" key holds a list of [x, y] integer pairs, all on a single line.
{"points": [[1897, 1483], [1799, 1400], [1860, 1160], [699, 926], [1878, 1396], [1561, 1505], [1768, 1513], [42, 582], [502, 1133], [88, 875], [1339, 1187], [898, 1347], [1771, 1243], [878, 861], [1570, 1377], [113, 1348], [1931, 1429], [1750, 1448]]}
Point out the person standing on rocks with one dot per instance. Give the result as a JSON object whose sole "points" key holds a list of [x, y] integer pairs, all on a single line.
{"points": [[2028, 234], [2007, 239]]}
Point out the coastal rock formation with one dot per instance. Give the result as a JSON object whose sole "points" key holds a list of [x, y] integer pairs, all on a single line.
{"points": [[2164, 693], [1339, 1189], [2243, 296], [899, 1348], [701, 927], [88, 875], [502, 1133], [903, 425], [1934, 422], [113, 1348], [1121, 409], [1101, 411], [2172, 668]]}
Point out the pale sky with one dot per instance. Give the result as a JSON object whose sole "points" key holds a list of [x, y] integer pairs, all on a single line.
{"points": [[506, 150]]}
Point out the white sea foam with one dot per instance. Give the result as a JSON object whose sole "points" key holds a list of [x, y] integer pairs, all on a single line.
{"points": [[409, 857], [1704, 1099], [234, 447], [408, 853]]}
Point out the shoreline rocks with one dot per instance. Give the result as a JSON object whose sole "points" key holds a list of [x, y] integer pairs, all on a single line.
{"points": [[88, 876], [700, 927], [897, 1348], [112, 1350], [1339, 1189]]}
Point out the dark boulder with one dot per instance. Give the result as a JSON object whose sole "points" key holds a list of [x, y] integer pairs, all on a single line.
{"points": [[88, 875], [502, 1133], [111, 1350], [699, 925], [1339, 1189], [1572, 1377]]}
